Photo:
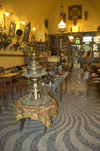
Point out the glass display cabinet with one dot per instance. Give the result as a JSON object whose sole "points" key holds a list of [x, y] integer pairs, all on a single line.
{"points": [[96, 47]]}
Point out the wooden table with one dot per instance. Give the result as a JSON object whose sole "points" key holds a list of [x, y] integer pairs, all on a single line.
{"points": [[7, 80], [10, 74], [59, 82], [43, 113]]}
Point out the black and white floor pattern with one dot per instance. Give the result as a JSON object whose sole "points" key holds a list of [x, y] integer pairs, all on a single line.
{"points": [[75, 128]]}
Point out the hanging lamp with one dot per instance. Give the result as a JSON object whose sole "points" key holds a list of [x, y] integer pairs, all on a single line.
{"points": [[61, 25]]}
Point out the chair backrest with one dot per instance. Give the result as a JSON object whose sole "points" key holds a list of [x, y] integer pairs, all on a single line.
{"points": [[17, 77], [1, 70], [92, 75], [66, 67], [7, 83]]}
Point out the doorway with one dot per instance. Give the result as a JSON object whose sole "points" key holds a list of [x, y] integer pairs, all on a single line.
{"points": [[76, 53]]}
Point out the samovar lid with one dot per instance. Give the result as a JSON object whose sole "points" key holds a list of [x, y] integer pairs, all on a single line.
{"points": [[34, 69]]}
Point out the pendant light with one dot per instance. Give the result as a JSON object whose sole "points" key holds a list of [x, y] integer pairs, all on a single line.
{"points": [[62, 25]]}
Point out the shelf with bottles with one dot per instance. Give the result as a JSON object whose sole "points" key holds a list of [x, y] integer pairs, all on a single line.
{"points": [[41, 45], [96, 54], [64, 46], [96, 50], [56, 46], [96, 47]]}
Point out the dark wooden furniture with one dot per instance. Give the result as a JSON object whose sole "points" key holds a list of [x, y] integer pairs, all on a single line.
{"points": [[2, 94], [93, 79], [67, 68], [11, 81], [58, 83], [17, 84], [8, 88], [24, 82]]}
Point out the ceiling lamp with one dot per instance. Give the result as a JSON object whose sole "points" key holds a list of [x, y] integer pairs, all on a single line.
{"points": [[34, 29], [23, 22], [62, 25], [6, 14]]}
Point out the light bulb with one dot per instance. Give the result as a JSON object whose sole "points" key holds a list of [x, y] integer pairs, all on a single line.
{"points": [[34, 28], [7, 14], [23, 22]]}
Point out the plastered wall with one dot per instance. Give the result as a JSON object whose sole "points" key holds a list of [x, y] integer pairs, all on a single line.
{"points": [[10, 61], [85, 25]]}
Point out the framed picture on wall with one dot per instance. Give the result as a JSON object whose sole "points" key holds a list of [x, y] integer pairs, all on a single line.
{"points": [[75, 12]]}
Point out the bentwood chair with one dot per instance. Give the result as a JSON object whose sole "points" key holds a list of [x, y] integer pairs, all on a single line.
{"points": [[24, 83], [8, 88], [18, 84], [2, 94], [67, 68], [93, 80]]}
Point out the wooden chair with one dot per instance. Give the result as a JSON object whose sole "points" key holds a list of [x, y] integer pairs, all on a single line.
{"points": [[8, 88], [67, 68], [92, 73], [24, 83], [18, 84], [1, 70], [2, 94], [93, 79]]}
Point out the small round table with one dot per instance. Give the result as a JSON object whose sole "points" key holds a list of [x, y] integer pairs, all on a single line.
{"points": [[42, 112]]}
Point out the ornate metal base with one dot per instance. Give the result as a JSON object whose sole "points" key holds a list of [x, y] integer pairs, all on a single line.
{"points": [[29, 101]]}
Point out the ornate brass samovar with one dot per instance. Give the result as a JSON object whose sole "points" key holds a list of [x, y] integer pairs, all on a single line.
{"points": [[34, 73]]}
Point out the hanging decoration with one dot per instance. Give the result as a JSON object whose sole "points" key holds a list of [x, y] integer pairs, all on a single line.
{"points": [[62, 25]]}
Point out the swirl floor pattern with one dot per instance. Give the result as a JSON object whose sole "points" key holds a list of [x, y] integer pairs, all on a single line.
{"points": [[75, 128]]}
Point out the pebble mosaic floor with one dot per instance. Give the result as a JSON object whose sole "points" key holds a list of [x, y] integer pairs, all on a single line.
{"points": [[75, 128]]}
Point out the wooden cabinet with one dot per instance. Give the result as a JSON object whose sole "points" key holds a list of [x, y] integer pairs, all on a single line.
{"points": [[96, 50], [58, 43]]}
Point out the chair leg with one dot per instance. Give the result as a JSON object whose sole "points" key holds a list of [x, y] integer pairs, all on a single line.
{"points": [[24, 88], [16, 90], [4, 102], [7, 98], [98, 88], [0, 109], [88, 87], [20, 90], [12, 95], [91, 88]]}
